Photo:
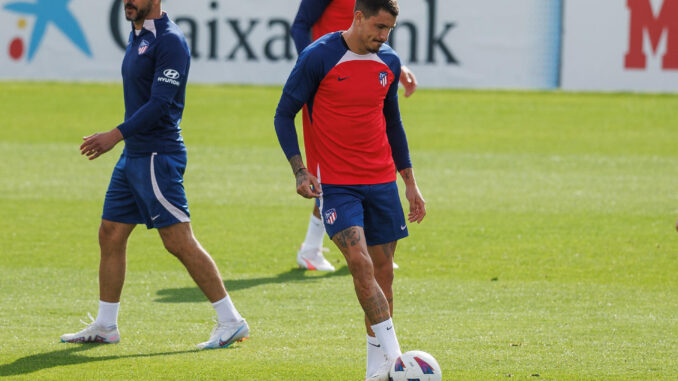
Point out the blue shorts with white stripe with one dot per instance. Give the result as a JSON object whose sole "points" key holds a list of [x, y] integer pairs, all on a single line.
{"points": [[148, 190]]}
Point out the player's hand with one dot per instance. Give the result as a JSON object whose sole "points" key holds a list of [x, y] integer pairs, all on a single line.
{"points": [[100, 143], [417, 204], [307, 184], [408, 80]]}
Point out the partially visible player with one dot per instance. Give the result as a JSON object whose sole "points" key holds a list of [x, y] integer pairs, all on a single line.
{"points": [[354, 146], [315, 19], [147, 183]]}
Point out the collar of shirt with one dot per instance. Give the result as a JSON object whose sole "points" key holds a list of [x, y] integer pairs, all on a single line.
{"points": [[152, 25]]}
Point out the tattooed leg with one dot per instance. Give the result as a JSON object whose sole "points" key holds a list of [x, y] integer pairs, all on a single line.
{"points": [[351, 242], [382, 258]]}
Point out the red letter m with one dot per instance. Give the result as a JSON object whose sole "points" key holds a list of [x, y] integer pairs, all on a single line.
{"points": [[642, 19]]}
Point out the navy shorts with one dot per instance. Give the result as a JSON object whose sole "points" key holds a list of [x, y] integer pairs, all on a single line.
{"points": [[148, 190], [376, 208]]}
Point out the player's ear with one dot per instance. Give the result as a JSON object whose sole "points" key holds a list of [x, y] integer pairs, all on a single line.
{"points": [[358, 17]]}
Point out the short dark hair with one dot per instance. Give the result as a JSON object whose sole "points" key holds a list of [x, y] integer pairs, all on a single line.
{"points": [[371, 7]]}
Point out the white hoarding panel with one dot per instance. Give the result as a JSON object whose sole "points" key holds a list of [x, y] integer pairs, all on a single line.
{"points": [[447, 43], [621, 45], [57, 40]]}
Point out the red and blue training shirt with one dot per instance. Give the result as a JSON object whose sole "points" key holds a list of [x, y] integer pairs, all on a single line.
{"points": [[356, 135]]}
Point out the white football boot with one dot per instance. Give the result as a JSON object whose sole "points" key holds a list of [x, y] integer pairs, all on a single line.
{"points": [[382, 373], [313, 259], [225, 334], [93, 333]]}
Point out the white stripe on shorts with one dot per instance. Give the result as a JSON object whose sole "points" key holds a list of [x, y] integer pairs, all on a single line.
{"points": [[176, 212]]}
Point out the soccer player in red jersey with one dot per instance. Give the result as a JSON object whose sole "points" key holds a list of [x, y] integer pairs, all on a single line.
{"points": [[355, 143], [315, 19]]}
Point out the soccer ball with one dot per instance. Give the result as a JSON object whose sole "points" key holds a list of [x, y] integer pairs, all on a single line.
{"points": [[416, 365]]}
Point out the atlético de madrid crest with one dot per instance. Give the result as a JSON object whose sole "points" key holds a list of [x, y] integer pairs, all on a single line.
{"points": [[383, 78], [330, 216], [143, 46]]}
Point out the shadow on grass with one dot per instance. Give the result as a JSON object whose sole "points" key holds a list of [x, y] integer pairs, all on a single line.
{"points": [[193, 294], [68, 356]]}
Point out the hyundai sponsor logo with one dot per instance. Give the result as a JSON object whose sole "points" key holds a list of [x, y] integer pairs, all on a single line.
{"points": [[171, 74]]}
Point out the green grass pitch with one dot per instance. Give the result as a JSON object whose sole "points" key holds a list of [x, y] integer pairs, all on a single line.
{"points": [[548, 252]]}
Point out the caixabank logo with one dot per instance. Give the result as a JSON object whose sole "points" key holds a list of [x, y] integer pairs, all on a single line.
{"points": [[216, 33], [44, 14]]}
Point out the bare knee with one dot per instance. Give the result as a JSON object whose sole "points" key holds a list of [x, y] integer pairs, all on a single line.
{"points": [[382, 256], [174, 248], [114, 235], [360, 265], [106, 232], [180, 241], [383, 272]]}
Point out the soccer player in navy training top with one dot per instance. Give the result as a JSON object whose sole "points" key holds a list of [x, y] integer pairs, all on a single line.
{"points": [[146, 185], [355, 144], [314, 19]]}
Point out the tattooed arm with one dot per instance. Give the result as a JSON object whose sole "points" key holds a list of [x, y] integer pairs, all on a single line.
{"points": [[299, 89], [307, 184]]}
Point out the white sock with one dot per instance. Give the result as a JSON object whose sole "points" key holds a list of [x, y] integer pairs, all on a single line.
{"points": [[108, 314], [385, 333], [226, 311], [375, 356], [315, 233]]}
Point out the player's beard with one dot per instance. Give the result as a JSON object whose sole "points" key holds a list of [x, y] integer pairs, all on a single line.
{"points": [[141, 12], [375, 48]]}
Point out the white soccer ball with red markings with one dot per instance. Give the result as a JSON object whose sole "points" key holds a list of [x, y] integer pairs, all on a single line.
{"points": [[416, 365]]}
